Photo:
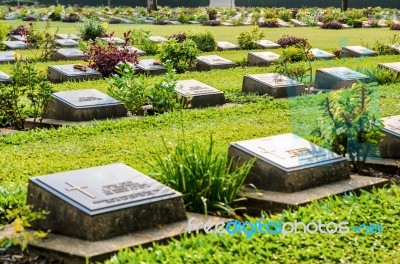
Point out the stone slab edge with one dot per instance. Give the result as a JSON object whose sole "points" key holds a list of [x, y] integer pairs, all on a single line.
{"points": [[273, 202], [75, 251]]}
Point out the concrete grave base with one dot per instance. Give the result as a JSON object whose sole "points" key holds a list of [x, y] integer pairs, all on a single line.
{"points": [[274, 202], [75, 251]]}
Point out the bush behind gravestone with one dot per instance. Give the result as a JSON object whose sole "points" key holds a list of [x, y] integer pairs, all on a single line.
{"points": [[207, 179], [248, 40], [181, 55], [205, 40]]}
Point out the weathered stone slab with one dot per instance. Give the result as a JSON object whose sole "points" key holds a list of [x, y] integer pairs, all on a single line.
{"points": [[225, 45], [7, 57], [390, 145], [210, 62], [18, 38], [276, 202], [103, 202], [396, 47], [273, 84], [337, 77], [261, 58], [84, 105], [151, 67], [67, 42], [298, 23], [77, 251], [11, 16], [266, 44], [227, 23], [197, 94], [138, 51], [321, 54], [62, 73], [157, 39], [174, 22], [394, 66], [67, 36], [193, 22], [282, 23], [15, 45], [5, 78], [288, 163], [114, 40], [68, 54], [357, 51]]}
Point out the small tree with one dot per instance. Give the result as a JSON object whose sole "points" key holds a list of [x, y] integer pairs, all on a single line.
{"points": [[351, 124]]}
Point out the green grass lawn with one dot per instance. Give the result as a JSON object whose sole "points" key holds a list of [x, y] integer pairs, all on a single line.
{"points": [[135, 141]]}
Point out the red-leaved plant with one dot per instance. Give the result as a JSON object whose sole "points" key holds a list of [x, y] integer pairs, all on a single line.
{"points": [[104, 56]]}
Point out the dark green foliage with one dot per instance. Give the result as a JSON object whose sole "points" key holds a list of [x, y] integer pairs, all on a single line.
{"points": [[351, 123], [207, 179], [181, 55], [205, 40]]}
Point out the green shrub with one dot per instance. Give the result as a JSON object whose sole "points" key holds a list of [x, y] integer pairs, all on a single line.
{"points": [[140, 39], [285, 15], [350, 124], [91, 29], [205, 40], [206, 178], [181, 55], [381, 75], [162, 95], [4, 30], [12, 196], [248, 40], [128, 88], [27, 95]]}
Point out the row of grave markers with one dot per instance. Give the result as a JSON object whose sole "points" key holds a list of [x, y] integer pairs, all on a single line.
{"points": [[289, 171]]}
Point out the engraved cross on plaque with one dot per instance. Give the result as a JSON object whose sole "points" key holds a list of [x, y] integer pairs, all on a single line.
{"points": [[79, 188]]}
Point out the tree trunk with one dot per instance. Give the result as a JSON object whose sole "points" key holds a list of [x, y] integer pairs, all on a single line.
{"points": [[344, 5], [151, 5]]}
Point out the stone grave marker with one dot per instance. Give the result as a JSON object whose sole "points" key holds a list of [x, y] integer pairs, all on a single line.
{"points": [[290, 171], [18, 38], [337, 77], [261, 58], [7, 56], [174, 22], [197, 94], [67, 36], [396, 47], [390, 145], [289, 163], [151, 67], [395, 66], [210, 62], [5, 78], [67, 42], [282, 23], [321, 54], [266, 44], [62, 73], [227, 23], [157, 39], [138, 51], [194, 22], [225, 45], [298, 23], [15, 45], [357, 51], [114, 40], [86, 203], [84, 105], [11, 16], [273, 84], [68, 54]]}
